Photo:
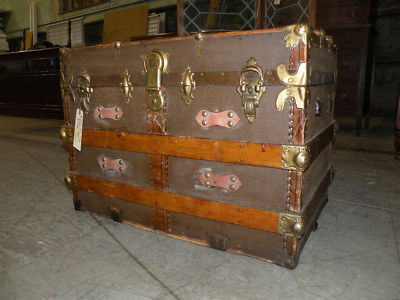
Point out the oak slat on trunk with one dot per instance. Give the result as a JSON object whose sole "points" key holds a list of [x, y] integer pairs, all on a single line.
{"points": [[212, 210]]}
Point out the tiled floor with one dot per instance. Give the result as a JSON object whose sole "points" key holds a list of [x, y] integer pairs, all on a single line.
{"points": [[50, 251]]}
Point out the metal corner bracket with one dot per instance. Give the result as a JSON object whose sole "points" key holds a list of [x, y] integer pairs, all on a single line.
{"points": [[66, 134], [298, 32], [291, 225], [300, 78], [301, 95], [70, 180], [296, 158]]}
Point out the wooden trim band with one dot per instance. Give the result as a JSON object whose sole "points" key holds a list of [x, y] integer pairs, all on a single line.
{"points": [[218, 211], [246, 153]]}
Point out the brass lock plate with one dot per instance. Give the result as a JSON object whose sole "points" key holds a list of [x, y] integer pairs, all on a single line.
{"points": [[155, 64], [251, 88]]}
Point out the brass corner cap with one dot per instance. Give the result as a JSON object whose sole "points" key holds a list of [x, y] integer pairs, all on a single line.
{"points": [[296, 158], [291, 225], [66, 134], [70, 180]]}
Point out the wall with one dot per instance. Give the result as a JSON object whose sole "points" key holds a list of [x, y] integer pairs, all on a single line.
{"points": [[386, 30], [48, 12]]}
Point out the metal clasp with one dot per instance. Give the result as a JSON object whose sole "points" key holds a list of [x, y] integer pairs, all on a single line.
{"points": [[187, 85], [251, 88], [84, 90], [155, 64]]}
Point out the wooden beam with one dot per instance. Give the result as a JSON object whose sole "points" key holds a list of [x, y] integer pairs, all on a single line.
{"points": [[179, 16], [312, 13], [218, 211]]}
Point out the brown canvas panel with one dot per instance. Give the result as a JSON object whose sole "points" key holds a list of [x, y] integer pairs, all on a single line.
{"points": [[314, 123], [263, 188], [219, 53], [101, 205], [137, 172], [233, 238], [315, 173], [322, 61]]}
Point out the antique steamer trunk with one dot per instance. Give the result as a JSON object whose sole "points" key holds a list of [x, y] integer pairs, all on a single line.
{"points": [[220, 139]]}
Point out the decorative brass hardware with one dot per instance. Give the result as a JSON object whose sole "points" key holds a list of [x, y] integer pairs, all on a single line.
{"points": [[230, 183], [126, 86], [114, 113], [66, 89], [251, 88], [117, 47], [198, 37], [84, 91], [155, 64], [291, 225], [227, 118], [298, 32], [187, 85], [295, 158], [70, 180], [66, 134], [118, 165], [64, 55], [300, 78], [300, 94]]}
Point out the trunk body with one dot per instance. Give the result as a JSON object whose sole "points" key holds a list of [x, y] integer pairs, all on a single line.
{"points": [[220, 139]]}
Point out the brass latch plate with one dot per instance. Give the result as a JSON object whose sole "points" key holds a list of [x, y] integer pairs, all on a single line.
{"points": [[291, 225], [295, 158]]}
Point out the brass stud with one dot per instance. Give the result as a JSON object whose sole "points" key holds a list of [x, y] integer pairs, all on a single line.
{"points": [[103, 159], [100, 116], [233, 178], [232, 187], [204, 114], [103, 165], [207, 175], [230, 124], [100, 109], [116, 117], [121, 162], [207, 183], [121, 169], [230, 114], [117, 109], [204, 123]]}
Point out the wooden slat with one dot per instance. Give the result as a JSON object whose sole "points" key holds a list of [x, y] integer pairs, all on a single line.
{"points": [[212, 210], [265, 155]]}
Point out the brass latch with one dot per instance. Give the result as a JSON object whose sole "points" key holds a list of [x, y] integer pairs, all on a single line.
{"points": [[155, 64], [187, 85], [84, 91], [251, 88]]}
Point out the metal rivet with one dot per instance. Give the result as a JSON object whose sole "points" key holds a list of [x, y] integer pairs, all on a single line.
{"points": [[204, 114], [287, 92], [121, 169], [100, 116], [117, 117], [204, 123], [230, 124], [103, 159], [232, 186], [207, 175], [290, 80], [154, 101], [230, 114], [121, 162], [117, 109], [233, 178], [207, 183], [99, 109], [103, 165]]}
